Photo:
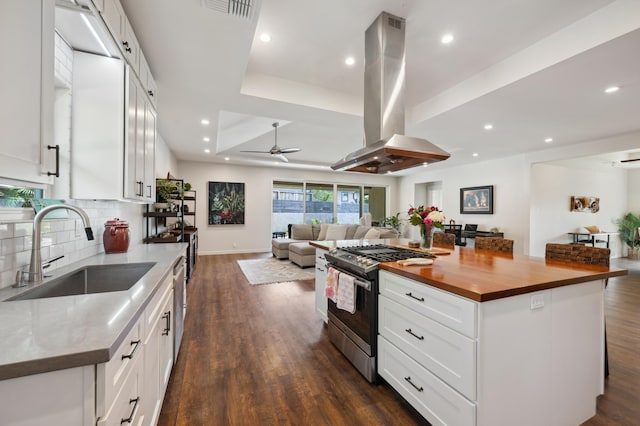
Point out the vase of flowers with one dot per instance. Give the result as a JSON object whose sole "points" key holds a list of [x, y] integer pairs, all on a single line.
{"points": [[428, 219]]}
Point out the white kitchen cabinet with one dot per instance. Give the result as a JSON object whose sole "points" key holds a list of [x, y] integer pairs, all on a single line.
{"points": [[321, 279], [120, 28], [457, 361], [113, 146], [147, 80], [158, 343], [63, 397], [27, 88]]}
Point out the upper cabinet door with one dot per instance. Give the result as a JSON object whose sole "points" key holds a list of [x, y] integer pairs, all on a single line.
{"points": [[26, 85]]}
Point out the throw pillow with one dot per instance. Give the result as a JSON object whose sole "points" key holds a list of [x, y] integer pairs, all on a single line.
{"points": [[301, 232], [372, 234], [336, 232], [323, 231], [593, 229], [360, 232]]}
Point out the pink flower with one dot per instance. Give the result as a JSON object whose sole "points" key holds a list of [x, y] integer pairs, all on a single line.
{"points": [[427, 221]]}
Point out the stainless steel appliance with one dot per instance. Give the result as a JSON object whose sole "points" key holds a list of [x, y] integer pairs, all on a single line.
{"points": [[179, 304], [355, 335]]}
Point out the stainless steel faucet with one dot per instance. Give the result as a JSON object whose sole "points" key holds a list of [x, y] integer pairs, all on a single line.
{"points": [[35, 268]]}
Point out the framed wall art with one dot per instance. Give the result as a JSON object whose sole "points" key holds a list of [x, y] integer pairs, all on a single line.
{"points": [[226, 203], [585, 204], [476, 200]]}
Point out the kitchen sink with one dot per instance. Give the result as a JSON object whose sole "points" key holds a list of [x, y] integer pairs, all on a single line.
{"points": [[89, 280]]}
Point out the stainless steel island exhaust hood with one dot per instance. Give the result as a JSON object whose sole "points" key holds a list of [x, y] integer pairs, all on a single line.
{"points": [[386, 148]]}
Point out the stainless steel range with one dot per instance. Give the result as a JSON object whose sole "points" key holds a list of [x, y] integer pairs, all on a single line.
{"points": [[355, 335]]}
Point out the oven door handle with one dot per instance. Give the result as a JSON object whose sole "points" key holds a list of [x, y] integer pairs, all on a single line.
{"points": [[360, 283]]}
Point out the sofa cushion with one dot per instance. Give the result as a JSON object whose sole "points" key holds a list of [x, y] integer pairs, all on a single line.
{"points": [[388, 233], [351, 230], [336, 232], [301, 232], [323, 232], [361, 230], [315, 230], [372, 234]]}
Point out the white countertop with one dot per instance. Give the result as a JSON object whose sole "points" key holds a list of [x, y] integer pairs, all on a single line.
{"points": [[49, 334]]}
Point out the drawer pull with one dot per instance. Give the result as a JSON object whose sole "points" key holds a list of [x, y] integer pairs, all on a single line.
{"points": [[133, 412], [419, 299], [408, 330], [419, 389], [167, 329], [135, 344]]}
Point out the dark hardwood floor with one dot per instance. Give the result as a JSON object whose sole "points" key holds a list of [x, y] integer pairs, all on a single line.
{"points": [[259, 355]]}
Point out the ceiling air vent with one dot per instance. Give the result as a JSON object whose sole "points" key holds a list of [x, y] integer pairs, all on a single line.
{"points": [[239, 8]]}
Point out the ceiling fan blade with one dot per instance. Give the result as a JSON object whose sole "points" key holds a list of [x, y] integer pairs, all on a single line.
{"points": [[282, 158], [630, 160], [259, 152], [289, 150]]}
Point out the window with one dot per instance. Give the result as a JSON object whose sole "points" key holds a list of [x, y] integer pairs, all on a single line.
{"points": [[18, 197], [316, 202]]}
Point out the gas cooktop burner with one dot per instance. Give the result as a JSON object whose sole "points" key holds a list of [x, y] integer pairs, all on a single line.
{"points": [[365, 259], [382, 253]]}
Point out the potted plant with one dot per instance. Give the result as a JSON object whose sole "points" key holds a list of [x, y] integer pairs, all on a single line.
{"points": [[628, 227], [391, 221], [169, 190]]}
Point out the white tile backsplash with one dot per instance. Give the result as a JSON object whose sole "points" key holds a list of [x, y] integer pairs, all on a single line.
{"points": [[64, 236]]}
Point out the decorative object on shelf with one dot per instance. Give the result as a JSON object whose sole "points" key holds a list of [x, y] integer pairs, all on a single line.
{"points": [[629, 229], [168, 190], [226, 203], [116, 236], [187, 186], [585, 204], [476, 200], [428, 219]]}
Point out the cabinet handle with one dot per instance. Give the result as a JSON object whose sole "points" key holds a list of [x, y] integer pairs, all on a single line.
{"points": [[126, 46], [57, 172], [135, 344], [133, 411], [419, 299], [150, 92], [167, 317], [419, 389], [149, 186], [408, 330]]}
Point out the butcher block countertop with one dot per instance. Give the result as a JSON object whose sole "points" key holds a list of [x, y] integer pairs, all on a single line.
{"points": [[484, 275]]}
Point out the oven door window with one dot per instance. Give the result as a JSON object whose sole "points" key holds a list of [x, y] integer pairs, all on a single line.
{"points": [[360, 321]]}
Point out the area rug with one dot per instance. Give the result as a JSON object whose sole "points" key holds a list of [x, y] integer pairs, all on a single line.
{"points": [[272, 270]]}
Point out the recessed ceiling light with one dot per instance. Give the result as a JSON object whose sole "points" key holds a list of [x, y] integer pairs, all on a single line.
{"points": [[204, 122], [548, 140], [447, 38], [488, 126], [207, 150], [350, 61], [226, 158], [611, 89], [206, 139], [475, 154], [265, 38]]}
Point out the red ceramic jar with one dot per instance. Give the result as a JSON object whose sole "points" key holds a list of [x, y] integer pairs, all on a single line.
{"points": [[116, 236]]}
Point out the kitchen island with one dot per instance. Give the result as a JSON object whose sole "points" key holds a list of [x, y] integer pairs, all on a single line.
{"points": [[102, 350], [487, 338]]}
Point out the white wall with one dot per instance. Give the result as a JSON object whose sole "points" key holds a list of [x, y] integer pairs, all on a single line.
{"points": [[509, 178], [165, 160], [255, 234], [551, 190], [633, 193]]}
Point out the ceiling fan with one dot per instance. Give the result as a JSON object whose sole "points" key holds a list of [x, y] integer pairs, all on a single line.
{"points": [[275, 150]]}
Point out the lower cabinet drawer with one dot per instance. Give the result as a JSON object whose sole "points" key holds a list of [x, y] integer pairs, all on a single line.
{"points": [[430, 396], [111, 375], [126, 408], [446, 353]]}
